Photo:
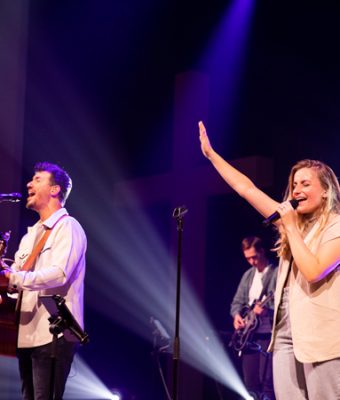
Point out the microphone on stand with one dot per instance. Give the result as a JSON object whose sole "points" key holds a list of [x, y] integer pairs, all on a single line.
{"points": [[276, 215], [11, 197]]}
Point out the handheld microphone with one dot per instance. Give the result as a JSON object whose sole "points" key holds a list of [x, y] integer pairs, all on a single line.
{"points": [[12, 197], [276, 215]]}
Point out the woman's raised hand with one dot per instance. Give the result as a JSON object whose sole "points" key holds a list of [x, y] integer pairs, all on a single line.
{"points": [[205, 143]]}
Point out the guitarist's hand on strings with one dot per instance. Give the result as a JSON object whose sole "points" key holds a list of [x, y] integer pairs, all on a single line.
{"points": [[238, 322], [258, 310]]}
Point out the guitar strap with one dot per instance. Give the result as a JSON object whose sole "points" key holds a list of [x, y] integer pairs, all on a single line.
{"points": [[31, 260], [36, 250], [266, 280]]}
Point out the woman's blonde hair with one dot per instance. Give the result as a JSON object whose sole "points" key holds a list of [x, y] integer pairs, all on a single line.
{"points": [[329, 183]]}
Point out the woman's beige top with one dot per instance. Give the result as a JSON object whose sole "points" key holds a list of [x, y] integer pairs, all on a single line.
{"points": [[314, 308]]}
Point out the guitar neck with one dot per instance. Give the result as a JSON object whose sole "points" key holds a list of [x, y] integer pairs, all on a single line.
{"points": [[267, 299]]}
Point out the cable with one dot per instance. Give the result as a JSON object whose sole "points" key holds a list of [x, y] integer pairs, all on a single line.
{"points": [[156, 354]]}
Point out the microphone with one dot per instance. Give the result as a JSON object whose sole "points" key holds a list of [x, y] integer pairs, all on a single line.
{"points": [[276, 215], [12, 197], [179, 212]]}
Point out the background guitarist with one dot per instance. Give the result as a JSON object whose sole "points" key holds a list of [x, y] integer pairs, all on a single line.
{"points": [[255, 283]]}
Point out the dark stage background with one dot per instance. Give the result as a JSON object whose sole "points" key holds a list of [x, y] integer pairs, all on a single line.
{"points": [[99, 100]]}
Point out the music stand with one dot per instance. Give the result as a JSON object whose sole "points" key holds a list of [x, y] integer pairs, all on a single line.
{"points": [[161, 344], [61, 319], [162, 339]]}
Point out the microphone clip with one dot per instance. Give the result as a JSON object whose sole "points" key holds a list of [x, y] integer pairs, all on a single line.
{"points": [[179, 212]]}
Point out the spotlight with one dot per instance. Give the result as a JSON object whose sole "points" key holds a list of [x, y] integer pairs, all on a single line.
{"points": [[251, 396], [116, 395], [121, 394]]}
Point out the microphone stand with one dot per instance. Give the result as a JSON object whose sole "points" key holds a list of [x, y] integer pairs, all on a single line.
{"points": [[178, 215]]}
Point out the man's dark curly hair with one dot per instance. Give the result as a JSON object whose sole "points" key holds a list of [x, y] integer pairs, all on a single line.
{"points": [[58, 177]]}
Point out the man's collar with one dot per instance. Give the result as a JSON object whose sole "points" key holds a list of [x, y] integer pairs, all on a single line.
{"points": [[50, 221]]}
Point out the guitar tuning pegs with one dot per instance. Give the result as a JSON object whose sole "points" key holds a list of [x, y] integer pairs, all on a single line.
{"points": [[5, 236]]}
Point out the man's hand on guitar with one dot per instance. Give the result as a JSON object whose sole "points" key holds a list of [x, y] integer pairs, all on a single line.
{"points": [[238, 322], [4, 278], [258, 310]]}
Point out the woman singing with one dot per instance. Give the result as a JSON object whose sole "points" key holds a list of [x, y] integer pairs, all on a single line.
{"points": [[306, 331]]}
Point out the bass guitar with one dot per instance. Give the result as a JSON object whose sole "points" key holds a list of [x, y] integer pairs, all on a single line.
{"points": [[242, 337]]}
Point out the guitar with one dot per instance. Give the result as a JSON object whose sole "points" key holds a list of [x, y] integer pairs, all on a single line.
{"points": [[8, 315], [241, 337]]}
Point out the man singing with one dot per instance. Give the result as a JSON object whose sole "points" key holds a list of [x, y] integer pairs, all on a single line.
{"points": [[50, 260]]}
